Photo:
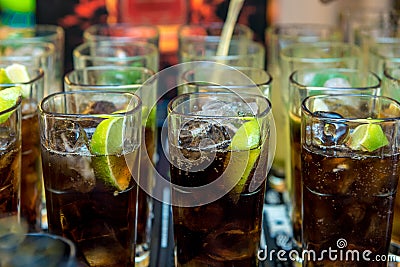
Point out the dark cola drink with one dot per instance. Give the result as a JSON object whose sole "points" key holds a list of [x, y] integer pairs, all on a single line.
{"points": [[349, 169], [225, 232], [10, 160], [348, 198], [31, 173], [295, 148], [91, 197]]}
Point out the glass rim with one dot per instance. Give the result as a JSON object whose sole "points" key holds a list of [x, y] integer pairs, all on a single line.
{"points": [[376, 49], [387, 72], [68, 81], [49, 47], [248, 32], [54, 32], [381, 30], [14, 107], [91, 33], [217, 24], [77, 52], [267, 81], [234, 42], [368, 9], [39, 75], [45, 112], [340, 70], [354, 49], [171, 111], [305, 110], [300, 28]]}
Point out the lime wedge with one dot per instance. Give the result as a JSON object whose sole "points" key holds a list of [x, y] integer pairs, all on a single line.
{"points": [[367, 137], [109, 164], [252, 159], [149, 119], [17, 73], [4, 79], [8, 98], [246, 138]]}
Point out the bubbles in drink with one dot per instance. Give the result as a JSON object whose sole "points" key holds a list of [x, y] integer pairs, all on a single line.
{"points": [[9, 173], [69, 136], [105, 250], [100, 107], [197, 134], [231, 243], [330, 133], [90, 196], [195, 221]]}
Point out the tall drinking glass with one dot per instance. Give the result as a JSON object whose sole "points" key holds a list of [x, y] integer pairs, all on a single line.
{"points": [[219, 146], [240, 79], [32, 201], [90, 155], [46, 33], [307, 82], [391, 80], [351, 20], [350, 170], [192, 33], [381, 54], [391, 88], [316, 55], [117, 53], [10, 155], [380, 44], [136, 80], [122, 31], [242, 52], [34, 54], [277, 37]]}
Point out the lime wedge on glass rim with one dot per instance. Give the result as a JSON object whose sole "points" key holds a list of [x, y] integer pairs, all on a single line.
{"points": [[367, 137], [18, 73], [8, 98], [109, 163], [4, 79], [246, 138]]}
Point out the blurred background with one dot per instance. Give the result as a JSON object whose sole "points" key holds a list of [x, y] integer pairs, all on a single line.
{"points": [[77, 15]]}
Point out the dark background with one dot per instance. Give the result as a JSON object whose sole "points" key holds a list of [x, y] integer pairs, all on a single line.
{"points": [[77, 15]]}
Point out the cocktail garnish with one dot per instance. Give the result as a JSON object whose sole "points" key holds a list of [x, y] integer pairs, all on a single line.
{"points": [[17, 73], [368, 137], [247, 138], [107, 143], [4, 79], [8, 98]]}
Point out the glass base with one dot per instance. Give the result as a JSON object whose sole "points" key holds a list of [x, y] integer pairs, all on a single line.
{"points": [[142, 258]]}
